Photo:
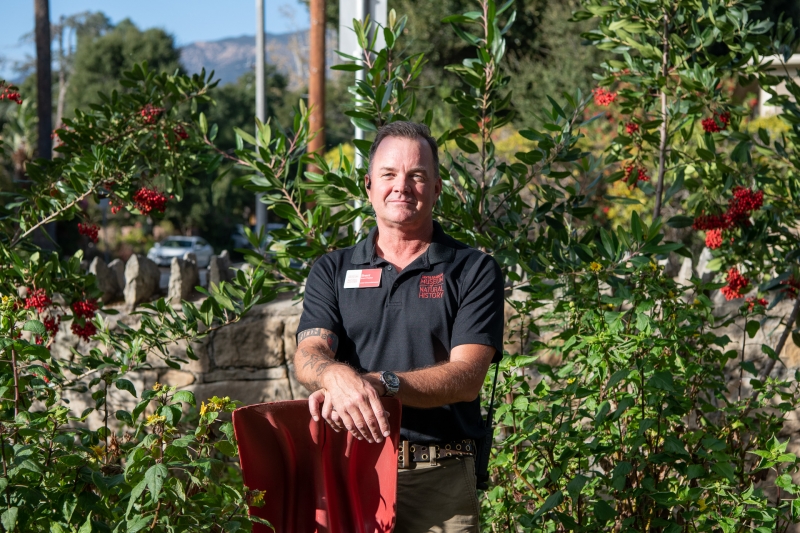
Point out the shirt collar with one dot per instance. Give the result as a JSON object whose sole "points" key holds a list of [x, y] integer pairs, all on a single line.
{"points": [[439, 251]]}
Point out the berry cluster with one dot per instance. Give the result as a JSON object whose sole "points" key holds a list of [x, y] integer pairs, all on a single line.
{"points": [[10, 93], [743, 203], [150, 113], [148, 199], [716, 123], [90, 230], [603, 97], [52, 323], [84, 308], [631, 128], [38, 300], [634, 173], [792, 287], [753, 302], [87, 330], [714, 238], [736, 283], [180, 132]]}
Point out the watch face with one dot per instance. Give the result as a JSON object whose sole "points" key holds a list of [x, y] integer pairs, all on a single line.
{"points": [[391, 380]]}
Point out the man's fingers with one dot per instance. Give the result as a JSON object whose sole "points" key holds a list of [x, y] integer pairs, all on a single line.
{"points": [[327, 410], [380, 428], [314, 400]]}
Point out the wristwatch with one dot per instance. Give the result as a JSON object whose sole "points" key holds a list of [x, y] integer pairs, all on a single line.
{"points": [[391, 382]]}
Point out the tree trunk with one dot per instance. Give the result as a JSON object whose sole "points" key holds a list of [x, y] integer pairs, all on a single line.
{"points": [[316, 80], [44, 87], [662, 148], [63, 82]]}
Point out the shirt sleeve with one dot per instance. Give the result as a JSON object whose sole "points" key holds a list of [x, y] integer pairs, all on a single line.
{"points": [[320, 300], [480, 317]]}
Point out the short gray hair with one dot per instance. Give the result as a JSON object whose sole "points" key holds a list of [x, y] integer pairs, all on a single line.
{"points": [[406, 130]]}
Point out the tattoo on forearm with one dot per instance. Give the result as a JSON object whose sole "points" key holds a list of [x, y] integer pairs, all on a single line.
{"points": [[317, 363], [330, 338]]}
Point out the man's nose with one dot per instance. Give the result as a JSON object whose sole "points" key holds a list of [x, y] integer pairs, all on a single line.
{"points": [[402, 185]]}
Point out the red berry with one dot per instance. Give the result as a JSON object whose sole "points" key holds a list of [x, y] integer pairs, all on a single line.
{"points": [[634, 173], [38, 300], [90, 230], [84, 308], [631, 128], [150, 113], [52, 324], [148, 199], [603, 97], [714, 238], [716, 123], [85, 331], [754, 302], [743, 203], [736, 282], [10, 93]]}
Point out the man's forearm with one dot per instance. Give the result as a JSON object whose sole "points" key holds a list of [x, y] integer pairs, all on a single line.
{"points": [[450, 382], [315, 355]]}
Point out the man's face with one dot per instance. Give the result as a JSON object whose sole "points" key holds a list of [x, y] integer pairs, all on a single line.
{"points": [[404, 184]]}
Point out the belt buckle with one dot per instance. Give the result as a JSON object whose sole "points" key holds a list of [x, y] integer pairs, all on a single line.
{"points": [[433, 452]]}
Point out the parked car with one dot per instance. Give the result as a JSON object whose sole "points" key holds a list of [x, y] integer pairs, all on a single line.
{"points": [[163, 252]]}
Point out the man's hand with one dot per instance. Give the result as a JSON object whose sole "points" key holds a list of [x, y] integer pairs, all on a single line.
{"points": [[347, 399]]}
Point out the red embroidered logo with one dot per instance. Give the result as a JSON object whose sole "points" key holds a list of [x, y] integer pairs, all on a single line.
{"points": [[431, 286]]}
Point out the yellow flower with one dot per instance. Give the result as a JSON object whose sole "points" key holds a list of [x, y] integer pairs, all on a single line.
{"points": [[701, 504], [203, 408], [595, 266], [696, 302], [255, 498], [571, 381], [157, 386], [98, 450], [155, 419]]}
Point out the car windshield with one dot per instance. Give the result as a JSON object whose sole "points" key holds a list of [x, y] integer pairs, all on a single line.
{"points": [[177, 243]]}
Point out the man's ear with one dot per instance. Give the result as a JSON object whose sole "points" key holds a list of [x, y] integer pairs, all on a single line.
{"points": [[368, 181]]}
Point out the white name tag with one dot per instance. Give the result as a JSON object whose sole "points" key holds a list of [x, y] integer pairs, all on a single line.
{"points": [[361, 279]]}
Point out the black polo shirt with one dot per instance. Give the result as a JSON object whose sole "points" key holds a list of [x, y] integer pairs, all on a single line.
{"points": [[450, 295]]}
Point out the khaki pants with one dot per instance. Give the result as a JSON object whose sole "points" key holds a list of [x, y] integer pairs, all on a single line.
{"points": [[438, 499]]}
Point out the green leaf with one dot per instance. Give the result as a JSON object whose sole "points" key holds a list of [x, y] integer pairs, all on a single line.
{"points": [[467, 145], [124, 384], [35, 327], [680, 221], [551, 502], [9, 518], [603, 511], [245, 136], [87, 526], [226, 447], [662, 381], [796, 338], [203, 123], [124, 416], [154, 477], [752, 328], [184, 396], [724, 469]]}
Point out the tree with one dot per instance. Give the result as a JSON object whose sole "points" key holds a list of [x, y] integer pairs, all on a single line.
{"points": [[102, 56]]}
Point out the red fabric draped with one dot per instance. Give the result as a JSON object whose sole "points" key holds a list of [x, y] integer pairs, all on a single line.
{"points": [[317, 480]]}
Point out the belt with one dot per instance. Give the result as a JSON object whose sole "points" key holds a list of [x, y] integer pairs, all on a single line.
{"points": [[412, 451]]}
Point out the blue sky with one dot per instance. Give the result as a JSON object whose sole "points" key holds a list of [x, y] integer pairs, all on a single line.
{"points": [[186, 20]]}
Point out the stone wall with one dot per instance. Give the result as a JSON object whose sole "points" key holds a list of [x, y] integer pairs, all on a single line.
{"points": [[250, 361]]}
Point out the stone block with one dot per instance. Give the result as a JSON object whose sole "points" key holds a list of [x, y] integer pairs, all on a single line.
{"points": [[176, 378], [248, 392], [142, 277], [219, 268], [183, 277], [245, 374], [299, 392], [117, 266], [290, 336], [254, 342], [106, 280]]}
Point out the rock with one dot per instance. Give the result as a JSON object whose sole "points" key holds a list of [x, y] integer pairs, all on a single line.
{"points": [[290, 336], [254, 342], [248, 392], [118, 268], [141, 277], [219, 268], [685, 274], [245, 374], [106, 280], [702, 262], [177, 378], [183, 277]]}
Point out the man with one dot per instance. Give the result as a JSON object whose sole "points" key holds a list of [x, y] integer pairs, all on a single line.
{"points": [[408, 312]]}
